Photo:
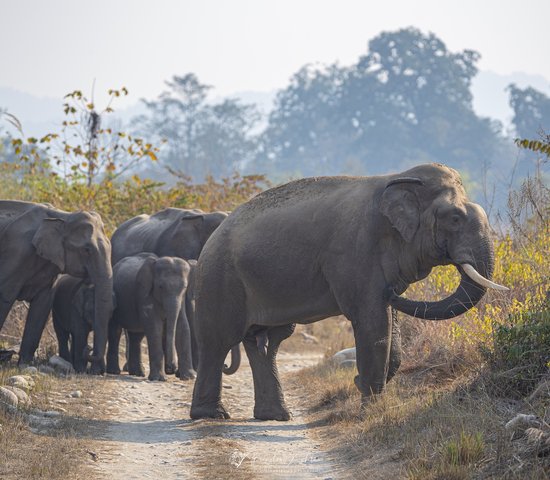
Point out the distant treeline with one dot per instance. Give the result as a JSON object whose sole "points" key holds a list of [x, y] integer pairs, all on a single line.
{"points": [[407, 100]]}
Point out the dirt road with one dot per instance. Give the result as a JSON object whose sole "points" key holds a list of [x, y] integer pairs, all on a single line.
{"points": [[149, 433]]}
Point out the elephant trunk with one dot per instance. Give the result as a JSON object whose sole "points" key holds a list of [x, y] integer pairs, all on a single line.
{"points": [[172, 309], [466, 296], [101, 275], [235, 361]]}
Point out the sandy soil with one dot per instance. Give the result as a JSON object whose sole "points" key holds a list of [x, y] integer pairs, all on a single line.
{"points": [[148, 433]]}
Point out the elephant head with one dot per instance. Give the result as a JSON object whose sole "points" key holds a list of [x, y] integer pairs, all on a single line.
{"points": [[187, 236], [437, 225], [165, 280], [77, 244]]}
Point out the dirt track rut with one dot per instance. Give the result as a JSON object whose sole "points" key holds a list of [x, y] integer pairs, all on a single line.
{"points": [[149, 433]]}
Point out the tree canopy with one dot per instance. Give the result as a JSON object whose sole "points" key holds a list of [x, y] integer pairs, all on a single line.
{"points": [[202, 138]]}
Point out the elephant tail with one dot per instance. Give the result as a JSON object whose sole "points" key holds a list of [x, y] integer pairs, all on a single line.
{"points": [[235, 360]]}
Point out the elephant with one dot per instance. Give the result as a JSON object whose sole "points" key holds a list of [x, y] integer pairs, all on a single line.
{"points": [[73, 317], [37, 242], [149, 292], [172, 232], [325, 246]]}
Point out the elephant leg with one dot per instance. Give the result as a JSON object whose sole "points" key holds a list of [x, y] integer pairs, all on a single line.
{"points": [[63, 342], [37, 317], [113, 365], [372, 330], [135, 365], [395, 348], [80, 342], [269, 403], [183, 348], [207, 392], [5, 308], [155, 333]]}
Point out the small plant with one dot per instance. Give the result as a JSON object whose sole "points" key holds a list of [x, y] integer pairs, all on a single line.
{"points": [[466, 449]]}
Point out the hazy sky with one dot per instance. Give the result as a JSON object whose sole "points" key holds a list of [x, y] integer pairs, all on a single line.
{"points": [[50, 47]]}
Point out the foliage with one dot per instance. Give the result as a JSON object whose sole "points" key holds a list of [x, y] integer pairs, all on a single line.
{"points": [[522, 348], [466, 449], [531, 110], [117, 201], [83, 149], [202, 138], [407, 100], [226, 194], [93, 160], [535, 145]]}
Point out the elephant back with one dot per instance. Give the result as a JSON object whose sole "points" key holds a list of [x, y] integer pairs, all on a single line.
{"points": [[171, 232]]}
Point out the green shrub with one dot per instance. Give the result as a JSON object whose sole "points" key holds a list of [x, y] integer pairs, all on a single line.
{"points": [[522, 351]]}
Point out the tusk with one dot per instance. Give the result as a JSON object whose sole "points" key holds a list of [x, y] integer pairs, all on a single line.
{"points": [[476, 277]]}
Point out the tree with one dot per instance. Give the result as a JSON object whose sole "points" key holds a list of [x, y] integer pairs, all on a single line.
{"points": [[83, 150], [407, 100], [201, 138], [531, 110]]}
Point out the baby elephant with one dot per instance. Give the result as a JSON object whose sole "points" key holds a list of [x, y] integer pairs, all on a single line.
{"points": [[149, 293], [73, 315]]}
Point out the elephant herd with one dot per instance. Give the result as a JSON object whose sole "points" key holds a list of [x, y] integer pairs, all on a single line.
{"points": [[137, 281], [198, 284]]}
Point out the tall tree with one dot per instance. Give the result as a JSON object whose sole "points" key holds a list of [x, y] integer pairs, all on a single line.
{"points": [[406, 100], [531, 111], [201, 138]]}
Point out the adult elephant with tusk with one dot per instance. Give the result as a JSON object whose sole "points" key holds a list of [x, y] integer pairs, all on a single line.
{"points": [[319, 247], [37, 242]]}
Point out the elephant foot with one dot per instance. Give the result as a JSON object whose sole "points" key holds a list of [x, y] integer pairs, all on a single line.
{"points": [[97, 369], [113, 369], [209, 411], [136, 373], [24, 360], [170, 369], [367, 391], [279, 413], [80, 368], [125, 367], [157, 377], [186, 374]]}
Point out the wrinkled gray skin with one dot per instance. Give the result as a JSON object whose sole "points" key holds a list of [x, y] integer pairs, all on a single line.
{"points": [[319, 247], [37, 242], [73, 317], [150, 293], [172, 232]]}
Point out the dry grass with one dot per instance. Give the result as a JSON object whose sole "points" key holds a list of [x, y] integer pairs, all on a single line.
{"points": [[428, 425], [12, 331], [50, 450], [327, 336]]}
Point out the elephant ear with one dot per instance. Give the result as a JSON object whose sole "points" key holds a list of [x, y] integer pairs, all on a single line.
{"points": [[145, 278], [48, 241], [194, 219], [400, 205]]}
